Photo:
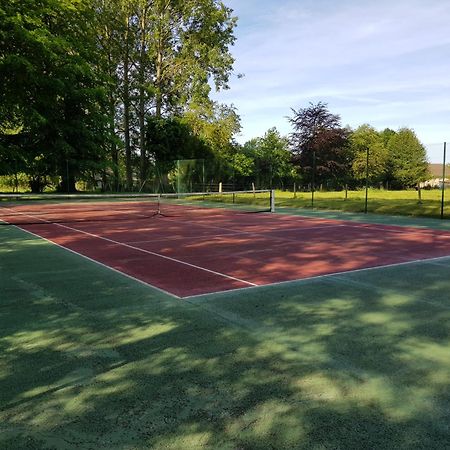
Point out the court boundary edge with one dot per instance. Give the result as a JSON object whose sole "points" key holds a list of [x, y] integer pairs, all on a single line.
{"points": [[99, 263], [142, 250], [316, 277]]}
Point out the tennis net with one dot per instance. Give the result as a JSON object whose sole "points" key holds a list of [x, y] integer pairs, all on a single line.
{"points": [[21, 209]]}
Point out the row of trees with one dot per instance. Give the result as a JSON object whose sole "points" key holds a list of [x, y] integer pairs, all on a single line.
{"points": [[321, 151], [99, 87], [337, 156], [117, 90]]}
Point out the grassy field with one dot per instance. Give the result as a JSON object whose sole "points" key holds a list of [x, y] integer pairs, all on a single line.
{"points": [[93, 360], [379, 202]]}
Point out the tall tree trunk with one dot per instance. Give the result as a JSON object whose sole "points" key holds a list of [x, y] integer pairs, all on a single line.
{"points": [[158, 81], [126, 111], [159, 67], [112, 117], [114, 150], [67, 184], [142, 97], [142, 136]]}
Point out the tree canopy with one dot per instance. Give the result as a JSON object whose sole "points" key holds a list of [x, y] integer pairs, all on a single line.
{"points": [[366, 141], [52, 98], [407, 159], [320, 144], [82, 79], [110, 91]]}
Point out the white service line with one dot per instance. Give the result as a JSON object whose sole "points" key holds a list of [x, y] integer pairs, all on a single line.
{"points": [[98, 262], [318, 277], [223, 275]]}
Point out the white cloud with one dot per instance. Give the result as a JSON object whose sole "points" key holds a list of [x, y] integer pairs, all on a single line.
{"points": [[379, 62]]}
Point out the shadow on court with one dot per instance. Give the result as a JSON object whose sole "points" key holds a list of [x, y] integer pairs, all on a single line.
{"points": [[90, 359]]}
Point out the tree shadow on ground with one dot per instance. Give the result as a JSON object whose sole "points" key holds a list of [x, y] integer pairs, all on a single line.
{"points": [[93, 360]]}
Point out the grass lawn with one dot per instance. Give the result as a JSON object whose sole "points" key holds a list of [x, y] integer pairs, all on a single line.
{"points": [[94, 360], [379, 201]]}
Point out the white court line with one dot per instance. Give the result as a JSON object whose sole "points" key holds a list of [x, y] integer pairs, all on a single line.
{"points": [[394, 228], [142, 250], [97, 262], [317, 277], [252, 285], [267, 234], [401, 229]]}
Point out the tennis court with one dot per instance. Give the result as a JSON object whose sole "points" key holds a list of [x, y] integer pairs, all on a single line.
{"points": [[93, 359], [190, 248]]}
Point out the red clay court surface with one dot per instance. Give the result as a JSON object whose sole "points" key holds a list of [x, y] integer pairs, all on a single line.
{"points": [[194, 252]]}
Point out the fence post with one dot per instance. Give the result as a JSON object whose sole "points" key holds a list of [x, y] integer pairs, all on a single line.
{"points": [[367, 180], [443, 181], [272, 200], [313, 181]]}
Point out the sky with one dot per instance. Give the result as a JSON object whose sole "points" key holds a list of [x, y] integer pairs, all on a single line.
{"points": [[385, 63]]}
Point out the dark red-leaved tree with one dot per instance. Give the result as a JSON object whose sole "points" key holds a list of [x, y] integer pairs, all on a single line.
{"points": [[319, 135]]}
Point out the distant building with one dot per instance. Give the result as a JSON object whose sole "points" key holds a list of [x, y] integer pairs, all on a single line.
{"points": [[436, 177]]}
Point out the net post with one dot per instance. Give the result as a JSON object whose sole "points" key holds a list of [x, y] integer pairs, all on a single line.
{"points": [[272, 200]]}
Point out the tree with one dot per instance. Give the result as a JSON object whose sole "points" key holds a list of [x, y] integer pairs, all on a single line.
{"points": [[407, 159], [366, 139], [50, 92], [216, 124], [319, 144], [175, 50], [271, 159], [168, 140], [112, 25]]}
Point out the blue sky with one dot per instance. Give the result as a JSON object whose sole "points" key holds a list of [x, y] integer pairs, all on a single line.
{"points": [[386, 63]]}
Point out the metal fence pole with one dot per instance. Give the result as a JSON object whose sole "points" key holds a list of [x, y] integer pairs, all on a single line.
{"points": [[443, 182], [313, 180], [367, 180]]}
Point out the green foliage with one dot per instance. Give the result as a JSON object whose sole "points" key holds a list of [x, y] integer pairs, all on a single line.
{"points": [[80, 79], [407, 159], [242, 164], [271, 159], [320, 145], [51, 91], [366, 138], [171, 139], [214, 123], [161, 58], [188, 45], [168, 140], [14, 183]]}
